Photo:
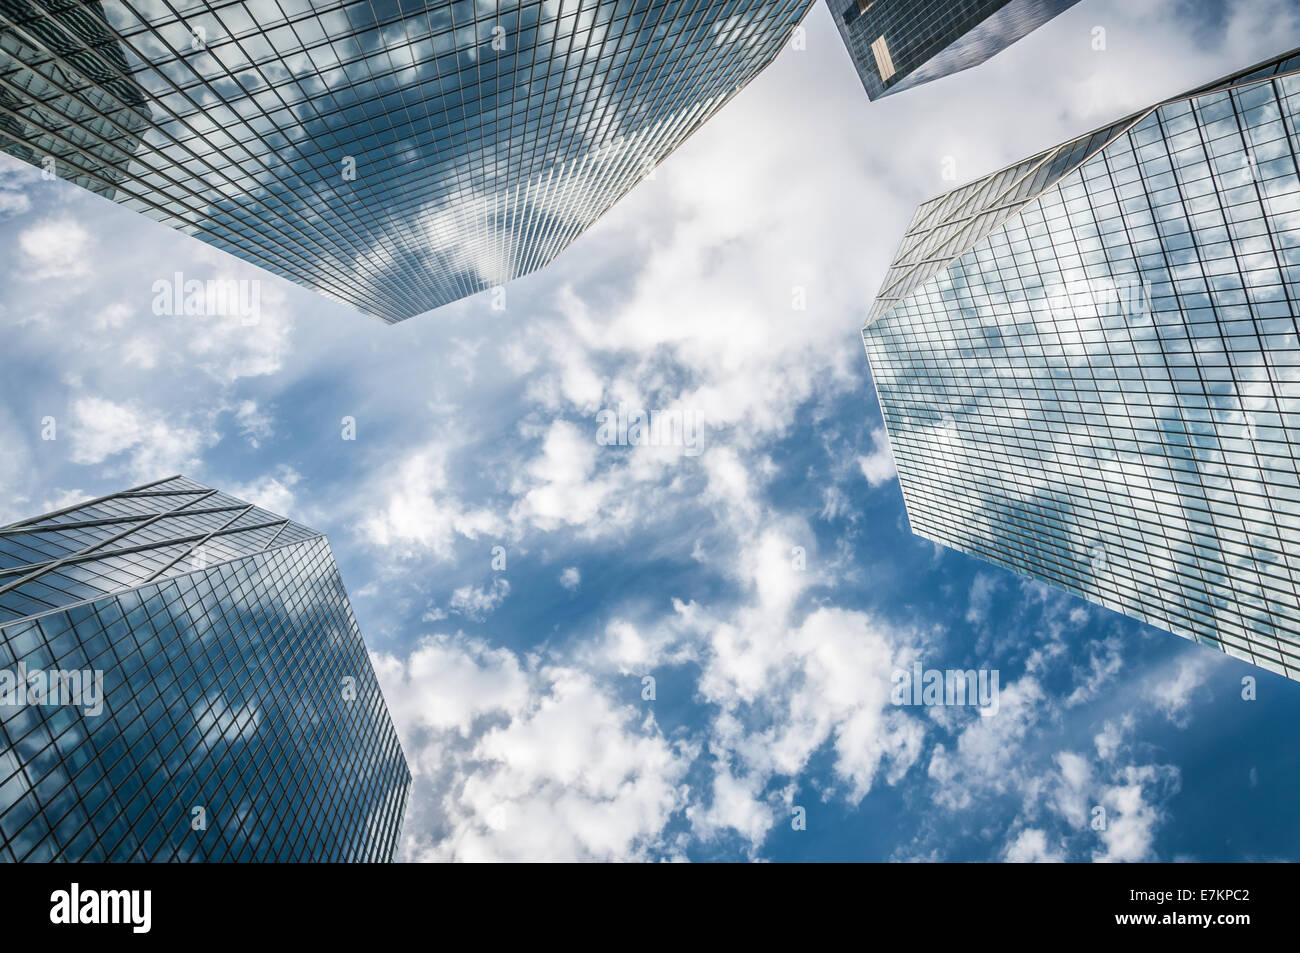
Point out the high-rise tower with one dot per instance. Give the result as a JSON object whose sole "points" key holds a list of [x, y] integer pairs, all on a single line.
{"points": [[181, 678], [392, 156], [1089, 366], [899, 44]]}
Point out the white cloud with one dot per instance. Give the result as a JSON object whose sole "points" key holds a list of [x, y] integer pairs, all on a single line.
{"points": [[784, 690], [578, 777], [13, 176], [1070, 797], [878, 466], [987, 759], [734, 805], [55, 248], [1131, 815], [1111, 736], [17, 470], [557, 487], [570, 578], [448, 682], [111, 316], [272, 492], [13, 203], [103, 431], [1105, 660], [232, 347], [1172, 692], [627, 649], [64, 498], [418, 515], [982, 589], [517, 764], [254, 423], [1031, 847], [475, 603]]}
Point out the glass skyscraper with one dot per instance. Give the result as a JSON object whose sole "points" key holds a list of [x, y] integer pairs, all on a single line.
{"points": [[899, 44], [394, 156], [1089, 367], [101, 126], [181, 678]]}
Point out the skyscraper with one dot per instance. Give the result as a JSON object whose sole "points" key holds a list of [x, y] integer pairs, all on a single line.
{"points": [[98, 130], [181, 678], [392, 156], [1089, 366], [899, 44]]}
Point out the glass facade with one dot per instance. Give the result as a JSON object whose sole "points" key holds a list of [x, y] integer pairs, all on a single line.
{"points": [[899, 44], [394, 156], [101, 124], [235, 717], [1089, 366]]}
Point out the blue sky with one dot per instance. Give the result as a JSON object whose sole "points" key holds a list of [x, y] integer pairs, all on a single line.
{"points": [[518, 691]]}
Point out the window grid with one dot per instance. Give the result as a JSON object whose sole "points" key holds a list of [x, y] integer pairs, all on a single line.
{"points": [[223, 689], [475, 165], [1102, 389]]}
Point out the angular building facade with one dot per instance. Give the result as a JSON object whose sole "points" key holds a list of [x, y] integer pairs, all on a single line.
{"points": [[181, 678], [1089, 366], [393, 156], [899, 44], [93, 136]]}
